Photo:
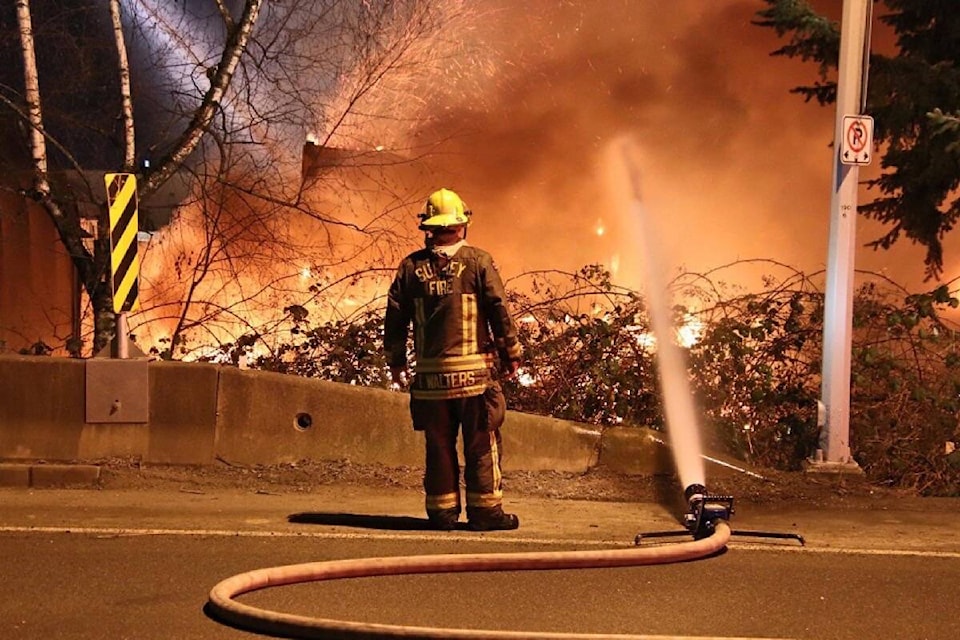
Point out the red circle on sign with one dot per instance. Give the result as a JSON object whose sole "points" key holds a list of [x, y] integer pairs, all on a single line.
{"points": [[856, 136]]}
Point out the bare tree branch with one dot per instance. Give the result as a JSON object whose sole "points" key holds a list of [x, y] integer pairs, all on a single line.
{"points": [[237, 40]]}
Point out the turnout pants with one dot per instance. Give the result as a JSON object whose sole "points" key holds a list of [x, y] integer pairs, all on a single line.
{"points": [[479, 417]]}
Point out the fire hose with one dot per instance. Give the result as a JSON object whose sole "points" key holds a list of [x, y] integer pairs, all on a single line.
{"points": [[223, 606]]}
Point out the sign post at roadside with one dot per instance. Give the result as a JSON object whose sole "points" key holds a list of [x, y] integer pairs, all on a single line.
{"points": [[853, 146], [116, 385]]}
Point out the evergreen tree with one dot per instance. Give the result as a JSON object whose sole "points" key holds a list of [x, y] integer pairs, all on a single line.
{"points": [[913, 97]]}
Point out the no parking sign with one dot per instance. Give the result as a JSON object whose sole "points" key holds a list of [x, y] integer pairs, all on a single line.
{"points": [[857, 136]]}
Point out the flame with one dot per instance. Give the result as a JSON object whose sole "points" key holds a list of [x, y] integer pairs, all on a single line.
{"points": [[525, 378]]}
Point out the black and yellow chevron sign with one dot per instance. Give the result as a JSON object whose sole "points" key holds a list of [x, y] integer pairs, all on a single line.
{"points": [[124, 260]]}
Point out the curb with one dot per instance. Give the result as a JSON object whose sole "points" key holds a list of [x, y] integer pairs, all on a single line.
{"points": [[44, 476]]}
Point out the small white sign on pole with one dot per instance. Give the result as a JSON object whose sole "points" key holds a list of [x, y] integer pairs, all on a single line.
{"points": [[857, 140]]}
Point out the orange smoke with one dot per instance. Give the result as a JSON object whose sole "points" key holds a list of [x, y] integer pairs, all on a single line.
{"points": [[738, 168]]}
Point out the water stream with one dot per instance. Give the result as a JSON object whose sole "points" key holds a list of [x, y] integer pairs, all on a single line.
{"points": [[683, 426]]}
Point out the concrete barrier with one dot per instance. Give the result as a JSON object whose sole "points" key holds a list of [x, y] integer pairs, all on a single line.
{"points": [[270, 417], [41, 407], [183, 412], [633, 451], [538, 443], [199, 413]]}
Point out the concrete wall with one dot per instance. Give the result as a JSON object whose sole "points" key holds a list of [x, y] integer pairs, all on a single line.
{"points": [[199, 413]]}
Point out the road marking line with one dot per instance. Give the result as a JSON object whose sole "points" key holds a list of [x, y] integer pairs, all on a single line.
{"points": [[846, 550], [434, 537]]}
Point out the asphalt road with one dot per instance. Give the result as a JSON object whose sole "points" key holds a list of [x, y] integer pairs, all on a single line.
{"points": [[99, 565]]}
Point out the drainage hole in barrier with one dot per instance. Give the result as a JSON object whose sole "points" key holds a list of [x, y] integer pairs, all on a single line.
{"points": [[304, 421]]}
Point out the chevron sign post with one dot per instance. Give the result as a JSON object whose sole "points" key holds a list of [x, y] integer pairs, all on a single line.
{"points": [[124, 260]]}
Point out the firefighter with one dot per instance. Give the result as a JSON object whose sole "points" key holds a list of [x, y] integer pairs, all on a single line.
{"points": [[463, 339]]}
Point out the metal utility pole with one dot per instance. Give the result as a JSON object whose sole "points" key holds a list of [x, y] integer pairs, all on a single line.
{"points": [[852, 147]]}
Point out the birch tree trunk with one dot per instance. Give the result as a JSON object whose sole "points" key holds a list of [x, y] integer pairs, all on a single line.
{"points": [[31, 83], [123, 66]]}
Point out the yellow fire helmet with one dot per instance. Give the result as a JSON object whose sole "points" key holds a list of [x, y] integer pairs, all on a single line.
{"points": [[444, 208]]}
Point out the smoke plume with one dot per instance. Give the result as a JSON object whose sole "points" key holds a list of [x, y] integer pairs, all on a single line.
{"points": [[737, 167]]}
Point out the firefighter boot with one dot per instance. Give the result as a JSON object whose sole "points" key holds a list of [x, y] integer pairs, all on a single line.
{"points": [[443, 519], [491, 519]]}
